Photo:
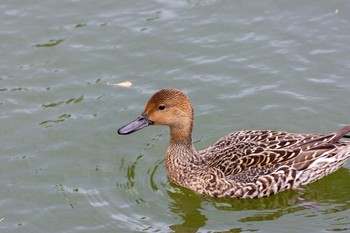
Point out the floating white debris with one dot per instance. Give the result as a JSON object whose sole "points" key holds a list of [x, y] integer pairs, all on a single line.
{"points": [[336, 11], [126, 84]]}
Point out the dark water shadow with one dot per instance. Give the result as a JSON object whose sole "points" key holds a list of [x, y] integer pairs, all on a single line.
{"points": [[329, 195], [187, 205]]}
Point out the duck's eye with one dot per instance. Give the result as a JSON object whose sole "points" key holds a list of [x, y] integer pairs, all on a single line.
{"points": [[161, 107]]}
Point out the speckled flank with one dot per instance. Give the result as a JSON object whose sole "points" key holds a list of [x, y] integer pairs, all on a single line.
{"points": [[243, 164]]}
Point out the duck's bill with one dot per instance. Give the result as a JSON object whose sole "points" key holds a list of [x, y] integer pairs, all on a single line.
{"points": [[137, 124]]}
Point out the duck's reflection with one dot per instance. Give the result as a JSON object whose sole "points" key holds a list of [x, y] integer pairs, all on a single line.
{"points": [[187, 206], [190, 207]]}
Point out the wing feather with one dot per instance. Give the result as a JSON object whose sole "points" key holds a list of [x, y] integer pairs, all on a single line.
{"points": [[261, 152]]}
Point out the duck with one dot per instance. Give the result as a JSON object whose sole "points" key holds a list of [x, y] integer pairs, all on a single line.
{"points": [[242, 164]]}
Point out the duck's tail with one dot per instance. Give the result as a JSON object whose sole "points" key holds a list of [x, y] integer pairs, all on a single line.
{"points": [[341, 133], [343, 153]]}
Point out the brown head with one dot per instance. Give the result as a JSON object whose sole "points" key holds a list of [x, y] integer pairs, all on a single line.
{"points": [[168, 107]]}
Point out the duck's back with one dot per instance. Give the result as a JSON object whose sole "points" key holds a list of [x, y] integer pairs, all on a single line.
{"points": [[246, 156]]}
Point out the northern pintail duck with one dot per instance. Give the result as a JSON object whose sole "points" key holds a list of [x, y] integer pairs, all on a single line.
{"points": [[243, 164]]}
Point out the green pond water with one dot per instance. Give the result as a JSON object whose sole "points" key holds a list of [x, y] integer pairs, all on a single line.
{"points": [[282, 65]]}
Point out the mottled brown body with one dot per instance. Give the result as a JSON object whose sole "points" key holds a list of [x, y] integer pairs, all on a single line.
{"points": [[243, 164]]}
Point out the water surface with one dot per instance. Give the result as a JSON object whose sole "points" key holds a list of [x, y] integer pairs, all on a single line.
{"points": [[245, 65]]}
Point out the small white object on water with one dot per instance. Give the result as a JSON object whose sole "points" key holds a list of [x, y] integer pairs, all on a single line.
{"points": [[126, 84]]}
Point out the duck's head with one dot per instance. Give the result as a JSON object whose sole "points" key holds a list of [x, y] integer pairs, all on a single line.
{"points": [[168, 107]]}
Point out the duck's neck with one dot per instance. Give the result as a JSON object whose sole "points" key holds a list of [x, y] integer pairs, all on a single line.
{"points": [[181, 156], [181, 133]]}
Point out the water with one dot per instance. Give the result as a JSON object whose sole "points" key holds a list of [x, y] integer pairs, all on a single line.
{"points": [[245, 65]]}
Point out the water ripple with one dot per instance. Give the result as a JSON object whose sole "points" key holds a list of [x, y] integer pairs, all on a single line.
{"points": [[244, 64]]}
